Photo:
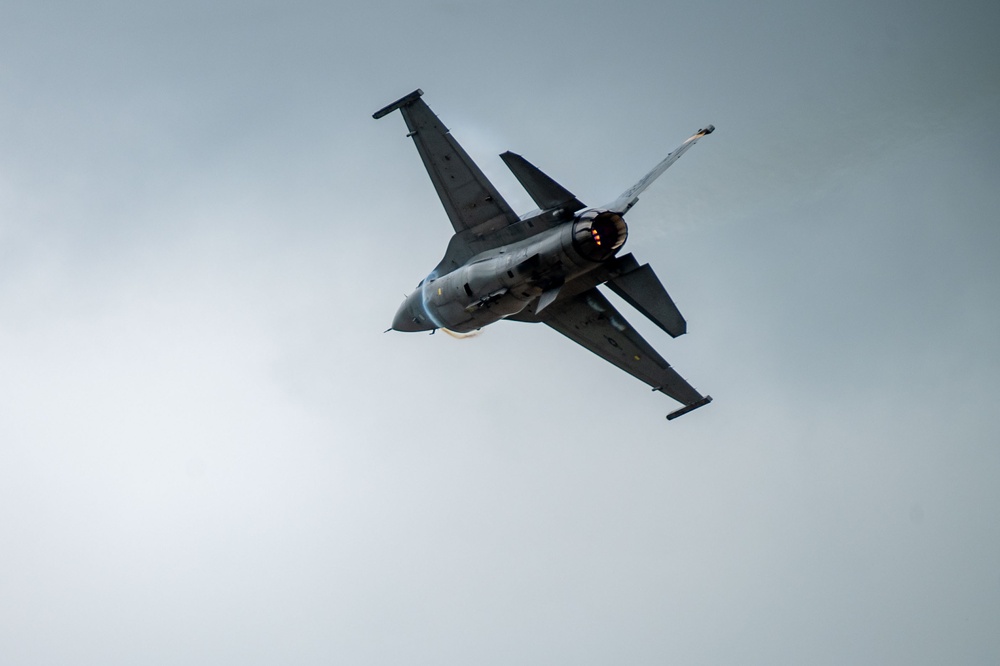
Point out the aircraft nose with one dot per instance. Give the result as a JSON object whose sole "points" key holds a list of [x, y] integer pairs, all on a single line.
{"points": [[411, 317], [403, 321]]}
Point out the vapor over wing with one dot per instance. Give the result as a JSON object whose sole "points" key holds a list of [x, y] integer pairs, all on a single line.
{"points": [[471, 201]]}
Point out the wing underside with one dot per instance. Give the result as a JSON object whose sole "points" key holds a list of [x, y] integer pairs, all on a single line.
{"points": [[590, 320], [471, 201]]}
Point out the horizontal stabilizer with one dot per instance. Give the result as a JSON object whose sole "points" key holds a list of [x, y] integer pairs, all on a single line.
{"points": [[545, 192], [642, 290]]}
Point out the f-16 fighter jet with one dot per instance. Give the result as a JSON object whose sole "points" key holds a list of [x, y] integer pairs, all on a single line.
{"points": [[544, 266]]}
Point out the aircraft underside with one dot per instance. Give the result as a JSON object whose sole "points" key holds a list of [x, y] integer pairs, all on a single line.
{"points": [[545, 267]]}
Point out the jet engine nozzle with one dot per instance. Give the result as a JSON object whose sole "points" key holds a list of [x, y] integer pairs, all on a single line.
{"points": [[598, 235]]}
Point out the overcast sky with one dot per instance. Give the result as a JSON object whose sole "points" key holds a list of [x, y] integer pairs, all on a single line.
{"points": [[210, 453]]}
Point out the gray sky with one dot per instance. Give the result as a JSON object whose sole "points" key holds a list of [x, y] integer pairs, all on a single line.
{"points": [[210, 453]]}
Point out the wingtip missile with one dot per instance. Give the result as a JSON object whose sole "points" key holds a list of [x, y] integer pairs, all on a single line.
{"points": [[402, 101], [689, 408]]}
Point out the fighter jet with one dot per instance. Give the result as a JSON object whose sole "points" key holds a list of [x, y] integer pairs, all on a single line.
{"points": [[544, 266]]}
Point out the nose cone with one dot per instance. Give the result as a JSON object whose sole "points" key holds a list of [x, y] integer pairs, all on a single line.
{"points": [[411, 316]]}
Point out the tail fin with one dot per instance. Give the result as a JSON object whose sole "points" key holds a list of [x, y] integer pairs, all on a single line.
{"points": [[631, 195]]}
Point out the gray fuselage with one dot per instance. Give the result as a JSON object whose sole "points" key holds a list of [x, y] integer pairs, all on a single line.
{"points": [[505, 280]]}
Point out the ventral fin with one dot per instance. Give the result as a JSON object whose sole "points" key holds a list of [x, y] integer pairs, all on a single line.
{"points": [[545, 300]]}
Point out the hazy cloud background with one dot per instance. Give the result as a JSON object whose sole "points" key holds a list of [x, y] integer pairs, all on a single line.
{"points": [[209, 452]]}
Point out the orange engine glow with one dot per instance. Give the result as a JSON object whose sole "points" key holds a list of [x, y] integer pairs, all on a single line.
{"points": [[597, 235]]}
